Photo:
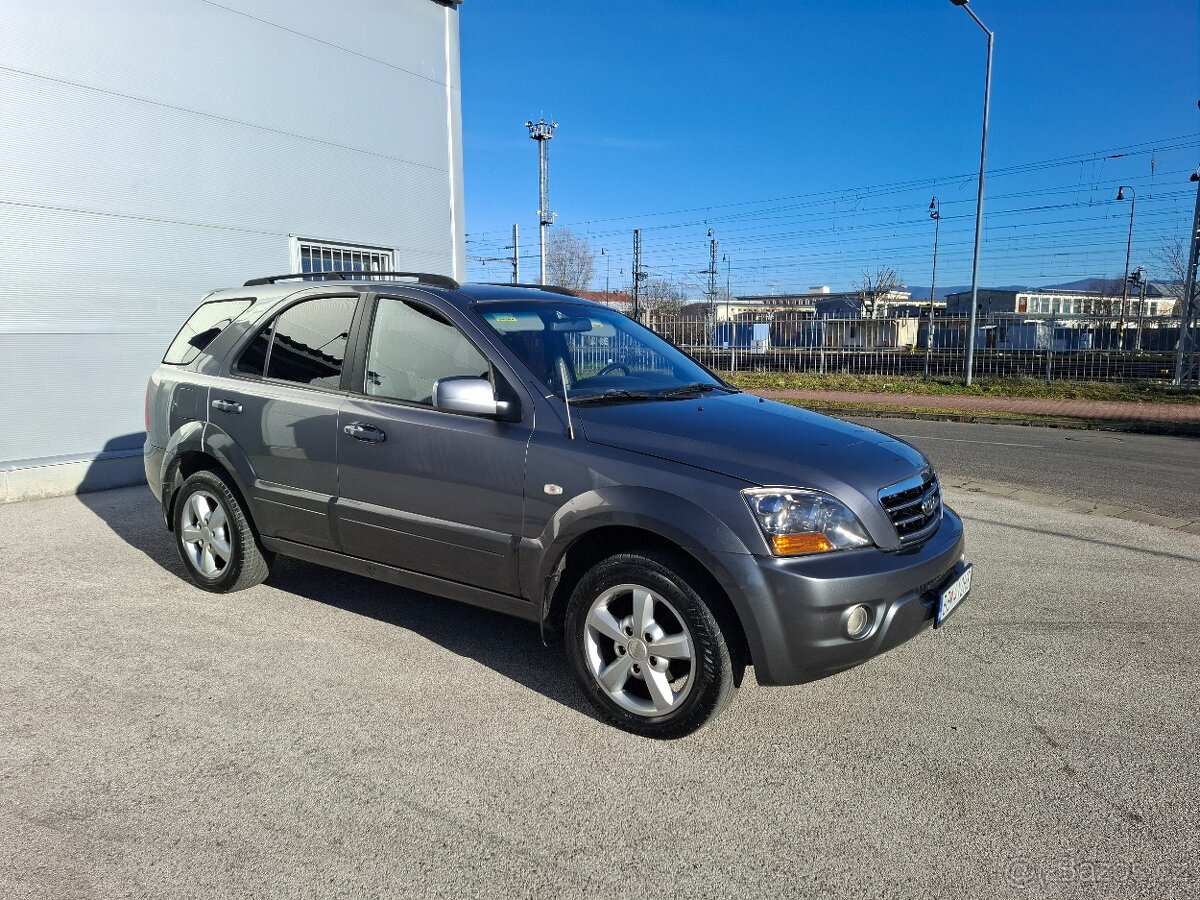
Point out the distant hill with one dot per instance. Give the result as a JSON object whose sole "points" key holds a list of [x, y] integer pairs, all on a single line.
{"points": [[1155, 287], [1095, 283], [1083, 284]]}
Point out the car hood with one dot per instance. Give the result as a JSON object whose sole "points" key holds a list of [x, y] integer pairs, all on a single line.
{"points": [[761, 442]]}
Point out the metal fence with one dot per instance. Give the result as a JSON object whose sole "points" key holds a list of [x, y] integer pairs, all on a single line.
{"points": [[1078, 348]]}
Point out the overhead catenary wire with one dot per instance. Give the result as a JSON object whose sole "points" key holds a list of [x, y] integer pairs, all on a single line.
{"points": [[1034, 231]]}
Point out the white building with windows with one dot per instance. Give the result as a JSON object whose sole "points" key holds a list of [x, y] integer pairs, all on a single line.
{"points": [[1049, 302], [153, 152]]}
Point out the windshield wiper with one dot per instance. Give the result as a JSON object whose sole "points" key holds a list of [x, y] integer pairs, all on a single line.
{"points": [[612, 394], [686, 390]]}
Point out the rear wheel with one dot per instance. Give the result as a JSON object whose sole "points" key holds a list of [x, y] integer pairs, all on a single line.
{"points": [[646, 648], [219, 550]]}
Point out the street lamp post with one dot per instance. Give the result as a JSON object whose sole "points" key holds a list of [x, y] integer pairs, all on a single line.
{"points": [[1187, 316], [987, 103], [935, 213], [1128, 252]]}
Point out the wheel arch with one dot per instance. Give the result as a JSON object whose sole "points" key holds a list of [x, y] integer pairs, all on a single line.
{"points": [[191, 450], [576, 555]]}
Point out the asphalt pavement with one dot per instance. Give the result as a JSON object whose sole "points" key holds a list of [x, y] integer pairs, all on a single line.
{"points": [[1182, 416], [1156, 473], [327, 736]]}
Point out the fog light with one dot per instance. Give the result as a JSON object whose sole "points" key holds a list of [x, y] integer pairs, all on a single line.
{"points": [[858, 621]]}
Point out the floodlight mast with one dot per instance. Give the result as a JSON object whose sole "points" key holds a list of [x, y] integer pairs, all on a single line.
{"points": [[543, 132]]}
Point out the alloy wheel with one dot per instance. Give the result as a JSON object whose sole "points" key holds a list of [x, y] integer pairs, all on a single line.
{"points": [[639, 650], [204, 533]]}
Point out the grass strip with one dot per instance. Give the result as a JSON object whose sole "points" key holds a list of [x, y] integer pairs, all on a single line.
{"points": [[1133, 392]]}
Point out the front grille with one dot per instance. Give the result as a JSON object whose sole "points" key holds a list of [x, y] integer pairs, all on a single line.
{"points": [[914, 506]]}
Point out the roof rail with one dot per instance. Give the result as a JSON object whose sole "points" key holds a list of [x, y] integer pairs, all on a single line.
{"points": [[549, 288], [420, 277]]}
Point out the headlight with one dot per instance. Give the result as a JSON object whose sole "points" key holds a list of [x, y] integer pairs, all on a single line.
{"points": [[800, 521]]}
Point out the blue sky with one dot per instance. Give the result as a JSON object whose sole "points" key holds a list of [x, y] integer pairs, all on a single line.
{"points": [[811, 136]]}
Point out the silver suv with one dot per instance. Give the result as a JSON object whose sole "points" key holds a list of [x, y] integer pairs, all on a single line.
{"points": [[528, 451]]}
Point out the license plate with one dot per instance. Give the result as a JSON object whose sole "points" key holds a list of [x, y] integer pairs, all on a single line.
{"points": [[952, 596]]}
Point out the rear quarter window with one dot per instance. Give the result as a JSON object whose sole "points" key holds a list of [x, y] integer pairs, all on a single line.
{"points": [[201, 328]]}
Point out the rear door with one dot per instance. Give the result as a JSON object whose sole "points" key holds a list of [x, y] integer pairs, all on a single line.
{"points": [[279, 411], [433, 492]]}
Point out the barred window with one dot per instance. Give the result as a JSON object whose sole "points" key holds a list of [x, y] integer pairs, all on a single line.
{"points": [[327, 256]]}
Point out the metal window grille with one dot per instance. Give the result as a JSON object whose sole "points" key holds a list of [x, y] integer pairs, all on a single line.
{"points": [[324, 256]]}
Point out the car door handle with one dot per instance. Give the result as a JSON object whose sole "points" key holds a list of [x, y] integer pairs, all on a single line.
{"points": [[227, 406], [361, 431]]}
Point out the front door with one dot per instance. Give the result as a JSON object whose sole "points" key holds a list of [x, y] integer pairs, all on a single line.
{"points": [[432, 492]]}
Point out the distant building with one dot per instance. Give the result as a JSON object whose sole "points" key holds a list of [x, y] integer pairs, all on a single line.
{"points": [[621, 301], [890, 333], [821, 302], [1160, 301], [740, 308]]}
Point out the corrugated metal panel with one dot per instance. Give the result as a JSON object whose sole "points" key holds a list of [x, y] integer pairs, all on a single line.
{"points": [[73, 393], [153, 152]]}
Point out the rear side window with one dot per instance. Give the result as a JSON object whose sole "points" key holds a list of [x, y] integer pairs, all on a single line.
{"points": [[305, 344], [209, 320], [253, 360]]}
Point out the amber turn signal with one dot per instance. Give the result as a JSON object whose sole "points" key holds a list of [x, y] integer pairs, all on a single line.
{"points": [[807, 542]]}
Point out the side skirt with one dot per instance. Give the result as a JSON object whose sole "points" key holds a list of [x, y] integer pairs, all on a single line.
{"points": [[429, 584]]}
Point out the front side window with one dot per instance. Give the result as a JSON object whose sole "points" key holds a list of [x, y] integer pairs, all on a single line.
{"points": [[595, 352], [305, 344], [412, 347]]}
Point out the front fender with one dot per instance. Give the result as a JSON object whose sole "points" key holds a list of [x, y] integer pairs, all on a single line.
{"points": [[674, 518], [706, 538]]}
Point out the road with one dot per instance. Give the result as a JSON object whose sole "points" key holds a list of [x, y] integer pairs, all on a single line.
{"points": [[326, 736], [1149, 472]]}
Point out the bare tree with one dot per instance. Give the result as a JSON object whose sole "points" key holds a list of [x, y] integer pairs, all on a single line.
{"points": [[875, 287], [661, 299], [570, 263], [1172, 258]]}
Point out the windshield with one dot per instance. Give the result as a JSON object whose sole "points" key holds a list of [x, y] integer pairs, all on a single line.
{"points": [[600, 354]]}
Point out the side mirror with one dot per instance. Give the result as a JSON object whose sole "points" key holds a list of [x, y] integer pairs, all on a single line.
{"points": [[470, 396]]}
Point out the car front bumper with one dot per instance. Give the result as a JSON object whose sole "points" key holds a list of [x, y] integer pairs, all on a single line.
{"points": [[799, 606]]}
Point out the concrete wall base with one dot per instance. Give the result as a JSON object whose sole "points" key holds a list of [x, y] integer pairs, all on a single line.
{"points": [[71, 477]]}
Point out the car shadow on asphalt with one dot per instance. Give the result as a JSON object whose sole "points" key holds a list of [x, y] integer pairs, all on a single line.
{"points": [[509, 646]]}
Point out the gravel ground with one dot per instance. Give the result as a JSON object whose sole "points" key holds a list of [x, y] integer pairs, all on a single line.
{"points": [[327, 736]]}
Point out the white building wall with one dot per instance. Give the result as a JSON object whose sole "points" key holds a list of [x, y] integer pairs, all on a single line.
{"points": [[154, 151]]}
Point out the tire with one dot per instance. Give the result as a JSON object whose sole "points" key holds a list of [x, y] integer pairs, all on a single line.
{"points": [[668, 694], [216, 544]]}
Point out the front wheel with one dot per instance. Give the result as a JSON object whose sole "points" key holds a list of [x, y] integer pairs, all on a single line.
{"points": [[646, 648]]}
